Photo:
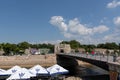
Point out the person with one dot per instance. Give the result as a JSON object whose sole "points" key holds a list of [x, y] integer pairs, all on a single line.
{"points": [[103, 54], [93, 53], [86, 54], [115, 56]]}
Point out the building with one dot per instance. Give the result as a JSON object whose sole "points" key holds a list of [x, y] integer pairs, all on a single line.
{"points": [[62, 48], [81, 50], [100, 50], [37, 51], [1, 52], [44, 51]]}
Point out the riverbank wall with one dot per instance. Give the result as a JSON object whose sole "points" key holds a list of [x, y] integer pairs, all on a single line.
{"points": [[27, 60]]}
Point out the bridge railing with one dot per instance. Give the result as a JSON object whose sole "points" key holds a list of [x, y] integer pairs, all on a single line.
{"points": [[100, 57]]}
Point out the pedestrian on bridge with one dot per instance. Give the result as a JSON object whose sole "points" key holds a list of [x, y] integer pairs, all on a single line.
{"points": [[115, 56], [103, 54], [93, 53], [87, 54]]}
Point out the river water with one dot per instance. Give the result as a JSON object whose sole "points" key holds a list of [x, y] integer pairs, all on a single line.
{"points": [[92, 73], [95, 73]]}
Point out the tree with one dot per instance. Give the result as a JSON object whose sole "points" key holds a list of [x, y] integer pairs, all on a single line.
{"points": [[15, 49], [74, 44], [34, 46], [51, 47], [7, 49], [65, 42], [107, 45], [10, 49], [0, 46], [23, 45], [101, 45], [112, 45]]}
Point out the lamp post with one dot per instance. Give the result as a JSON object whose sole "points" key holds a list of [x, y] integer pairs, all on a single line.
{"points": [[119, 48]]}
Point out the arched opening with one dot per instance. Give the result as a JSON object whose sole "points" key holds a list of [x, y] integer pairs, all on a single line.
{"points": [[61, 51]]}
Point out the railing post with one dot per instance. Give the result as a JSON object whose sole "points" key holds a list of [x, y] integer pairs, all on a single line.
{"points": [[100, 57], [86, 54], [95, 56], [107, 58]]}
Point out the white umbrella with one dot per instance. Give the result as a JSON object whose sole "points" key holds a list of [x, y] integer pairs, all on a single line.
{"points": [[56, 69], [2, 72], [13, 70], [38, 70], [22, 74]]}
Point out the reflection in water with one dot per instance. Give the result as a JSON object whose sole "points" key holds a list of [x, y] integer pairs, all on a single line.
{"points": [[92, 73]]}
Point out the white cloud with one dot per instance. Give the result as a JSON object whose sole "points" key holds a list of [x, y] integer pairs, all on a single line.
{"points": [[113, 4], [59, 22], [117, 21], [112, 37], [75, 28], [68, 35], [100, 29], [51, 42]]}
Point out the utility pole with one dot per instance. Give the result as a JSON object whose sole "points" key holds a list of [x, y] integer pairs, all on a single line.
{"points": [[119, 48]]}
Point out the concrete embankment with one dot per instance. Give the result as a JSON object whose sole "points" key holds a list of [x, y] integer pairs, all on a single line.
{"points": [[27, 60]]}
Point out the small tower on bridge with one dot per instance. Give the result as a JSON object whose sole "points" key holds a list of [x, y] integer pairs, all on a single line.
{"points": [[62, 48]]}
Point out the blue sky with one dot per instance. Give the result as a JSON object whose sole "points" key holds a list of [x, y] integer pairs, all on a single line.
{"points": [[36, 21]]}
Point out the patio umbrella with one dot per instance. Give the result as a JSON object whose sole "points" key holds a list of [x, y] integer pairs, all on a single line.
{"points": [[21, 74], [13, 70], [56, 69], [2, 72], [37, 69]]}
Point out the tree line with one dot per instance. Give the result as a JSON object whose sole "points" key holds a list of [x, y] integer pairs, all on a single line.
{"points": [[16, 49], [89, 47], [19, 49]]}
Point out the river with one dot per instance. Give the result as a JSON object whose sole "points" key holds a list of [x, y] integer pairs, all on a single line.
{"points": [[92, 73]]}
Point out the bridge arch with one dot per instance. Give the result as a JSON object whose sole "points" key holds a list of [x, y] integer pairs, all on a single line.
{"points": [[68, 63]]}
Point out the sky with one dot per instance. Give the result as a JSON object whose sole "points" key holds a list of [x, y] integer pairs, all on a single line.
{"points": [[53, 21]]}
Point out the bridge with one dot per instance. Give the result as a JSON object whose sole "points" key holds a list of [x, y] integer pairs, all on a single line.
{"points": [[105, 62]]}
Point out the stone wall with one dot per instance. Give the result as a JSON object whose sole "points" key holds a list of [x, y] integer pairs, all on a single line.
{"points": [[27, 60], [62, 48]]}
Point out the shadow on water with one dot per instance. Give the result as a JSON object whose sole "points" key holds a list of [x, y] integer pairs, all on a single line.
{"points": [[92, 73], [97, 77]]}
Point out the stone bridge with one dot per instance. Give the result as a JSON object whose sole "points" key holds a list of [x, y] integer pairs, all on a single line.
{"points": [[69, 61]]}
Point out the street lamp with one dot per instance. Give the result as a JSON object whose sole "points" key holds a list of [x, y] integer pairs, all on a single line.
{"points": [[119, 48]]}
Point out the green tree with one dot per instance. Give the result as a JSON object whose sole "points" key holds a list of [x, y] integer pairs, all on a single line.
{"points": [[101, 45], [10, 49], [7, 49], [112, 45], [23, 45], [107, 45], [0, 46], [51, 47], [74, 44], [34, 46], [65, 42], [15, 49]]}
